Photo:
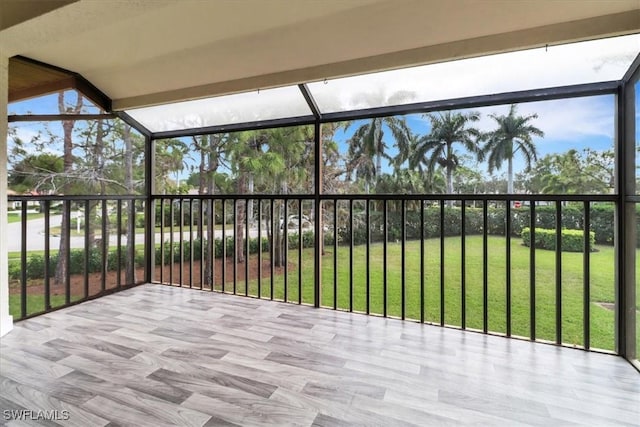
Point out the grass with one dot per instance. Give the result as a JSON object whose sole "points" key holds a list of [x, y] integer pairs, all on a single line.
{"points": [[35, 304], [601, 286]]}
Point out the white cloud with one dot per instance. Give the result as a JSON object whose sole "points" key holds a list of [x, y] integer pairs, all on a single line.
{"points": [[586, 62], [563, 120]]}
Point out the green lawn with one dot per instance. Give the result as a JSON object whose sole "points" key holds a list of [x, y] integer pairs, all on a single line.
{"points": [[35, 304], [601, 286]]}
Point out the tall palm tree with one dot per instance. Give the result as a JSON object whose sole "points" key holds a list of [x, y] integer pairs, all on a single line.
{"points": [[437, 148], [367, 146], [513, 135]]}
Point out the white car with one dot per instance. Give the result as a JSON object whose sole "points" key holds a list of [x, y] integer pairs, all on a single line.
{"points": [[293, 222]]}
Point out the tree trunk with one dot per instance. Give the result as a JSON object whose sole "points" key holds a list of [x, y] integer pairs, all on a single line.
{"points": [[67, 126], [211, 244], [130, 272], [510, 176], [241, 210], [449, 184], [211, 221], [202, 188], [278, 241]]}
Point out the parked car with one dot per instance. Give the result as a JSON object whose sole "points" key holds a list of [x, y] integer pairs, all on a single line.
{"points": [[293, 222]]}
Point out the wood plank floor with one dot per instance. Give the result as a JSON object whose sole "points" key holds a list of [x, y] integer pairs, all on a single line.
{"points": [[155, 355]]}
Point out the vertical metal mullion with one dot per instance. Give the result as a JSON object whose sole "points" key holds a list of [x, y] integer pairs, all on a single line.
{"points": [[300, 244], [235, 249], [131, 233], [224, 244], [259, 248], [161, 241], [67, 255], [105, 242], [317, 223], [485, 267], [272, 247], [508, 267], [558, 273], [171, 251], [384, 258], [368, 255], [119, 242], [247, 244], [403, 244], [586, 277], [161, 238], [190, 243], [149, 209], [181, 242], [212, 244], [202, 233], [351, 254], [532, 274], [87, 248], [463, 261], [47, 255], [335, 254], [23, 259], [422, 295], [285, 232], [442, 296]]}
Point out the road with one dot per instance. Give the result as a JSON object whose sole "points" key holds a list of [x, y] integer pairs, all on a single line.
{"points": [[35, 235]]}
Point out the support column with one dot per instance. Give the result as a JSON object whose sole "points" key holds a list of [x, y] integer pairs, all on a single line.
{"points": [[319, 238], [6, 321]]}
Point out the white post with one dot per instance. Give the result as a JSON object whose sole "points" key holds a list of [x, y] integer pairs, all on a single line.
{"points": [[6, 321]]}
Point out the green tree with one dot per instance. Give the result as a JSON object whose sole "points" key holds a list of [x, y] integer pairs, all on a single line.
{"points": [[572, 172], [36, 172], [367, 147], [67, 126], [437, 148], [513, 135], [170, 158]]}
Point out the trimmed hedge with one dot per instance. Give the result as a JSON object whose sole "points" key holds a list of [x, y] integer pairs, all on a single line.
{"points": [[602, 222], [169, 254], [571, 240], [35, 263]]}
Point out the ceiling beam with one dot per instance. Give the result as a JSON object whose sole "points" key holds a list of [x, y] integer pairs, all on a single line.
{"points": [[59, 79]]}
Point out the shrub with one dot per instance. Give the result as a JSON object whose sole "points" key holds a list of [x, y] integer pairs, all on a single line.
{"points": [[545, 238]]}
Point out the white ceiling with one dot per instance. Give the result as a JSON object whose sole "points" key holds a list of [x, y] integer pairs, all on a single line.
{"points": [[143, 52]]}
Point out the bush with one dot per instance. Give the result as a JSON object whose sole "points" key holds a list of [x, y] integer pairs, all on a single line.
{"points": [[545, 238], [35, 263]]}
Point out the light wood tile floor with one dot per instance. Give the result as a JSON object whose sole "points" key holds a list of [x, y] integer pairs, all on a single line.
{"points": [[155, 355]]}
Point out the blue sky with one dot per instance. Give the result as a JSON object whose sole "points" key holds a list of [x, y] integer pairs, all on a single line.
{"points": [[576, 123]]}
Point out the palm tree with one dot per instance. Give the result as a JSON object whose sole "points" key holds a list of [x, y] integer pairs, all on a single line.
{"points": [[367, 147], [513, 135], [437, 148]]}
